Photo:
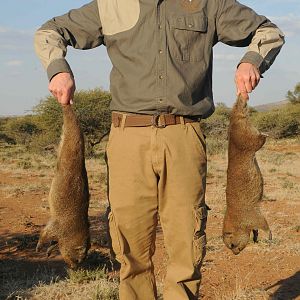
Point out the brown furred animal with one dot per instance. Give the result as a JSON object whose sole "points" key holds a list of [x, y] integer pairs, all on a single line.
{"points": [[244, 181], [69, 196]]}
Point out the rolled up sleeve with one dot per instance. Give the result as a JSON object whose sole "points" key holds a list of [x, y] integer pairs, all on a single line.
{"points": [[80, 28], [240, 26], [264, 47]]}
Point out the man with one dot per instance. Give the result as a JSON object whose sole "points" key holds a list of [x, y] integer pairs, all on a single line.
{"points": [[161, 86]]}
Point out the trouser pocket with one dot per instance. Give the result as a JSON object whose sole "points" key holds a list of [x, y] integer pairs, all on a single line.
{"points": [[117, 246], [198, 137], [199, 241]]}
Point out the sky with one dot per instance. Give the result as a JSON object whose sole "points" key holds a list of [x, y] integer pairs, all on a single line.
{"points": [[23, 81]]}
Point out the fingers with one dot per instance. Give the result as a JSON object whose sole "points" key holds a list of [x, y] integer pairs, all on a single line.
{"points": [[247, 78], [62, 87], [66, 96], [63, 95], [243, 94]]}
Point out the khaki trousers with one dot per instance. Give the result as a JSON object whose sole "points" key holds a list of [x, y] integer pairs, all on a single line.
{"points": [[157, 171]]}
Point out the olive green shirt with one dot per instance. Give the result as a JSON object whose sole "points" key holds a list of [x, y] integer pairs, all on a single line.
{"points": [[161, 51]]}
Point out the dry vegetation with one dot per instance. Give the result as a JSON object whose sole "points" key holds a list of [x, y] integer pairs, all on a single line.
{"points": [[266, 270], [260, 271]]}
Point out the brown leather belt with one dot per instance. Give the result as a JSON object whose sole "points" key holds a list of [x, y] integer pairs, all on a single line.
{"points": [[156, 120]]}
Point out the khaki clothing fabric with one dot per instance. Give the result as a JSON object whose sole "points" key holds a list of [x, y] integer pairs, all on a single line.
{"points": [[158, 171], [161, 51]]}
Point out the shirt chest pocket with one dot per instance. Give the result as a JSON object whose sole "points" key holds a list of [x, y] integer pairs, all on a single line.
{"points": [[188, 37]]}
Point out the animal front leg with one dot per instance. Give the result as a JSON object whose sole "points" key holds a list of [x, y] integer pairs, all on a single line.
{"points": [[255, 235], [47, 234], [260, 223], [54, 244]]}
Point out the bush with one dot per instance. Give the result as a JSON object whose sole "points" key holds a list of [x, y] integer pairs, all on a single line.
{"points": [[21, 129], [92, 109], [279, 123], [217, 124], [5, 138], [41, 131], [294, 96], [215, 128]]}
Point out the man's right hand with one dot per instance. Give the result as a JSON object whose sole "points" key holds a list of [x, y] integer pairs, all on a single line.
{"points": [[62, 87]]}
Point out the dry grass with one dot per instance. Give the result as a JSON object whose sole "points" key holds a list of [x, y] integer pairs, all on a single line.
{"points": [[99, 289], [281, 171], [242, 291]]}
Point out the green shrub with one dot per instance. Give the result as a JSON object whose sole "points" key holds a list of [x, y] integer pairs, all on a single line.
{"points": [[217, 124], [41, 131], [215, 128], [279, 123], [21, 129], [92, 109], [294, 96], [215, 145], [5, 138]]}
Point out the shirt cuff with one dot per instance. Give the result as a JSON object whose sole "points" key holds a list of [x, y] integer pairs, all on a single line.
{"points": [[253, 58], [58, 66]]}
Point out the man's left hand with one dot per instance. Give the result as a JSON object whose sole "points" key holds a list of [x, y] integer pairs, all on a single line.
{"points": [[247, 78]]}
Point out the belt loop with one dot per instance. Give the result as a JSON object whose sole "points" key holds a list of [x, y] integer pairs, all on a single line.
{"points": [[182, 122], [123, 121], [162, 121]]}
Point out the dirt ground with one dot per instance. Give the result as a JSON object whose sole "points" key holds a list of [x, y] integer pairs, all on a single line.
{"points": [[266, 270]]}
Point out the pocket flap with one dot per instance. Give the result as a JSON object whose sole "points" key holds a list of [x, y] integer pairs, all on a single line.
{"points": [[194, 22]]}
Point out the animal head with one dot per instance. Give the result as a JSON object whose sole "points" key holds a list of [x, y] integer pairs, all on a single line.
{"points": [[237, 240], [74, 253]]}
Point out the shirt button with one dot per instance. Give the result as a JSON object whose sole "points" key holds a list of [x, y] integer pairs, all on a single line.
{"points": [[191, 25], [160, 51], [160, 76], [160, 100], [159, 26]]}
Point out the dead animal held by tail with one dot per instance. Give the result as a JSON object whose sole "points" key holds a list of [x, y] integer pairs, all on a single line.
{"points": [[68, 226], [244, 189]]}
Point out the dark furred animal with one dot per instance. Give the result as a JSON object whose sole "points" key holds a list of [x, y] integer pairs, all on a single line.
{"points": [[244, 181], [69, 196]]}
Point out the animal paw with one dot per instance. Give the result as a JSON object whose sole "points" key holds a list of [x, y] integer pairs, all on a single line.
{"points": [[255, 235], [52, 246], [270, 235]]}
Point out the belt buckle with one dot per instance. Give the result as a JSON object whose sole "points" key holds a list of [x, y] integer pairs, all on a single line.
{"points": [[156, 121]]}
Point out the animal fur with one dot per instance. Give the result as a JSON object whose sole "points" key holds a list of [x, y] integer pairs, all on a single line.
{"points": [[244, 181], [68, 226]]}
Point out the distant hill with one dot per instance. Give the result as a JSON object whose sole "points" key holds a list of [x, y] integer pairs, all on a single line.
{"points": [[270, 106]]}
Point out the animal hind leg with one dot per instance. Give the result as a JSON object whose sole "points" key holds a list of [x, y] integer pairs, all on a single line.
{"points": [[47, 234]]}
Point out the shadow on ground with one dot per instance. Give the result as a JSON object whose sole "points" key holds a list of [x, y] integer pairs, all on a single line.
{"points": [[21, 268], [16, 275], [288, 288]]}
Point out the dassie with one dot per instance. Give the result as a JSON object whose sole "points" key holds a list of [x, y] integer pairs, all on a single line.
{"points": [[244, 181], [69, 196]]}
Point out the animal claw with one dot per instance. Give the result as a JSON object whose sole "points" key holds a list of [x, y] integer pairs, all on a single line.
{"points": [[53, 245], [255, 235], [270, 235]]}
